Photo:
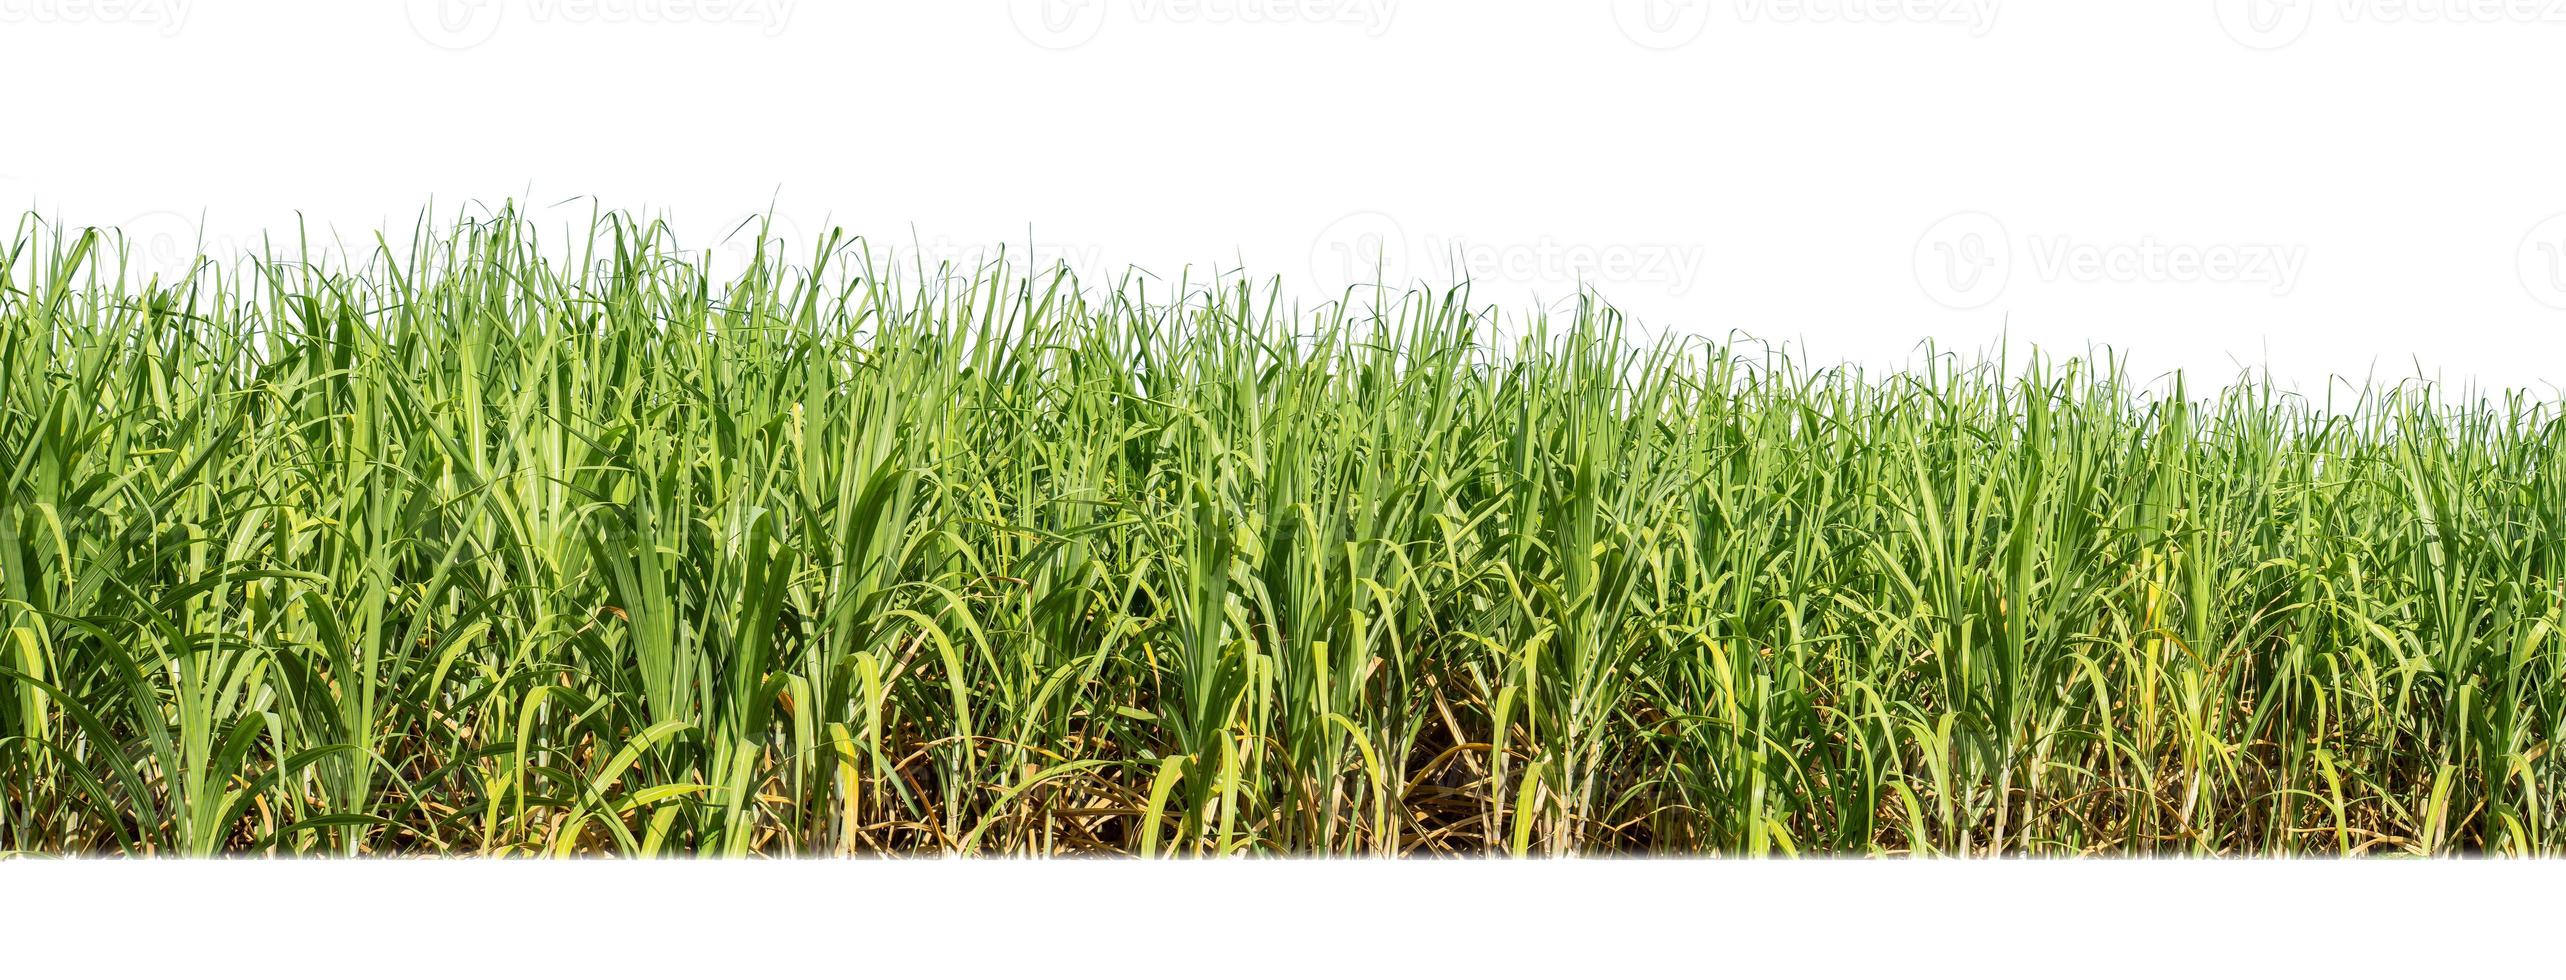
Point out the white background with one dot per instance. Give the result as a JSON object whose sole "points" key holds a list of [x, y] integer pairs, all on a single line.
{"points": [[2313, 186], [1605, 920]]}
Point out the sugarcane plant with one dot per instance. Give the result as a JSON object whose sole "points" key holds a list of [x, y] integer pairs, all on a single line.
{"points": [[486, 541]]}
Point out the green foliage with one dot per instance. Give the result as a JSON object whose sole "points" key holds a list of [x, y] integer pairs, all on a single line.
{"points": [[480, 547]]}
